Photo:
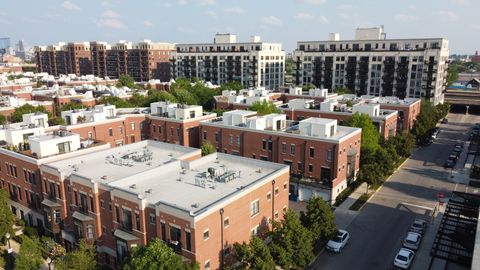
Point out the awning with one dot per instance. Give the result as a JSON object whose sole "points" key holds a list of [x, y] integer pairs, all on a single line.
{"points": [[79, 216], [125, 236], [50, 204]]}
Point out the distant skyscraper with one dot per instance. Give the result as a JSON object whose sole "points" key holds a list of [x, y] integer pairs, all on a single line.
{"points": [[4, 45], [20, 49]]}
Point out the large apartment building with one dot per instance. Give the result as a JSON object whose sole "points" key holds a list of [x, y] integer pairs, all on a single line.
{"points": [[323, 156], [63, 58], [143, 61], [373, 65], [254, 63]]}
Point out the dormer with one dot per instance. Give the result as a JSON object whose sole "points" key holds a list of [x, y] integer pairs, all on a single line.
{"points": [[328, 106], [317, 92], [55, 143], [237, 117], [299, 103], [371, 110], [37, 119]]}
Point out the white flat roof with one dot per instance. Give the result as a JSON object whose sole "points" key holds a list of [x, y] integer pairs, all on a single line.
{"points": [[317, 120], [113, 164], [187, 186]]}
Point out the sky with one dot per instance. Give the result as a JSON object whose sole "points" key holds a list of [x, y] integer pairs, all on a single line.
{"points": [[195, 21]]}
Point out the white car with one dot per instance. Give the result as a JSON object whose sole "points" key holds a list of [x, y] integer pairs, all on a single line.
{"points": [[339, 241], [418, 226], [412, 241], [404, 258]]}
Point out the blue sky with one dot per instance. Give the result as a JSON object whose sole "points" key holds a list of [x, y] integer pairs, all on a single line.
{"points": [[285, 21]]}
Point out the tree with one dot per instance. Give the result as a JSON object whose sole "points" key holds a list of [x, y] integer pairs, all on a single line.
{"points": [[403, 144], [118, 102], [7, 218], [156, 256], [185, 97], [208, 148], [426, 120], [205, 95], [138, 100], [24, 109], [254, 255], [264, 107], [81, 259], [234, 85], [342, 90], [3, 119], [308, 87], [370, 135], [291, 243], [70, 106], [155, 96], [126, 80], [319, 219], [30, 256], [288, 66]]}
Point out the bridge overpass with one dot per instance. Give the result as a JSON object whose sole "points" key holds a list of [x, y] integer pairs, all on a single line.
{"points": [[463, 100]]}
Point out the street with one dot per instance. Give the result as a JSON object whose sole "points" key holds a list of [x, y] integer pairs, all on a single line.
{"points": [[377, 232]]}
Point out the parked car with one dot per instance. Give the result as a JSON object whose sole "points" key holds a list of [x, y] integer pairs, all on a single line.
{"points": [[456, 152], [453, 157], [425, 142], [435, 133], [444, 121], [449, 163], [412, 241], [339, 241], [418, 226], [404, 258]]}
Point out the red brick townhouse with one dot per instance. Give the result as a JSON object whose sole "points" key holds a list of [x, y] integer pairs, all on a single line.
{"points": [[104, 123], [126, 196], [26, 146], [384, 120], [323, 155], [177, 123]]}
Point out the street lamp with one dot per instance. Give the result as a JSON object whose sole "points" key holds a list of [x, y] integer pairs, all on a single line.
{"points": [[7, 235], [49, 262]]}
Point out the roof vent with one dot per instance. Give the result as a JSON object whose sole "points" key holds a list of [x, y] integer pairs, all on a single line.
{"points": [[104, 177], [134, 186], [183, 171], [195, 205], [148, 191], [259, 170], [179, 179]]}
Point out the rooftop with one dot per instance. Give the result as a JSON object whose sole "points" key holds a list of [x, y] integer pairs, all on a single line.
{"points": [[196, 185], [120, 162]]}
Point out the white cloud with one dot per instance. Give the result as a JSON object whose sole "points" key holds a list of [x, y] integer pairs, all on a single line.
{"points": [[185, 29], [166, 5], [211, 13], [205, 2], [476, 26], [449, 15], [182, 2], [313, 2], [235, 10], [303, 16], [271, 20], [70, 6], [110, 14], [110, 23], [105, 4], [147, 23], [323, 19], [406, 18], [412, 7]]}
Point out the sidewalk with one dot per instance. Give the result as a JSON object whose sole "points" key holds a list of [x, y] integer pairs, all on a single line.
{"points": [[359, 191]]}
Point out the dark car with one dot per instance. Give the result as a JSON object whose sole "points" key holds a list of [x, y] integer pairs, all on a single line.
{"points": [[449, 163], [444, 121], [425, 142]]}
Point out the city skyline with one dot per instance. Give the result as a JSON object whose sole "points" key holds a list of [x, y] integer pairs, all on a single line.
{"points": [[114, 20]]}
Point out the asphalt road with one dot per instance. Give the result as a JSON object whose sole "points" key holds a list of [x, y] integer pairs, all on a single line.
{"points": [[377, 232]]}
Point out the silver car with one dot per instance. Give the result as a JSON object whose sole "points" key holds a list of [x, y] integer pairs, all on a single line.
{"points": [[419, 226], [412, 241]]}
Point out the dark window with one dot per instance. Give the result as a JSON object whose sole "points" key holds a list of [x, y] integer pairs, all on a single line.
{"points": [[117, 213], [217, 137], [127, 219], [292, 149], [164, 232], [137, 221], [188, 241], [270, 145], [110, 132], [264, 144], [310, 168], [83, 203], [204, 135], [92, 205], [312, 152]]}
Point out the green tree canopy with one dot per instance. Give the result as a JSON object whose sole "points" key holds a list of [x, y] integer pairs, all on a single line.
{"points": [[24, 109], [185, 97], [81, 259], [118, 102], [208, 148], [30, 256], [264, 107], [342, 90], [254, 255], [291, 244], [370, 135], [235, 85], [155, 96], [3, 119], [156, 256], [428, 118], [319, 219], [7, 219], [126, 80]]}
